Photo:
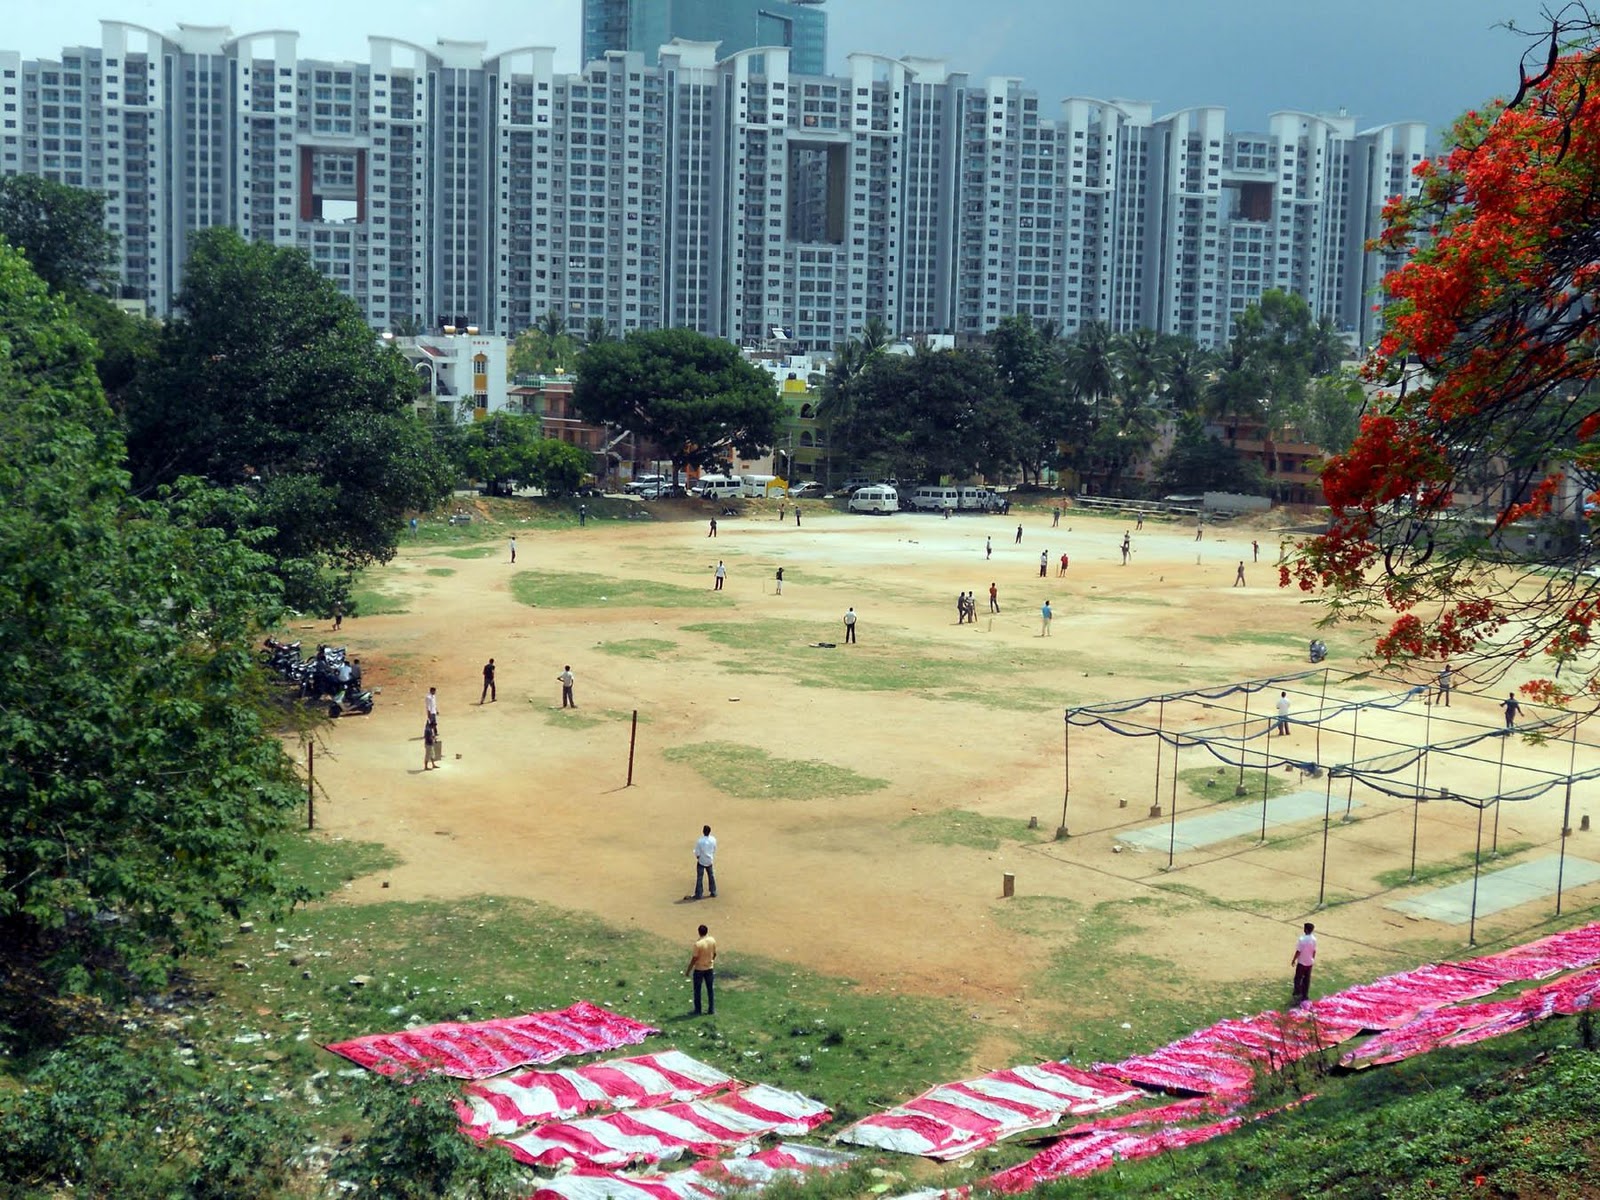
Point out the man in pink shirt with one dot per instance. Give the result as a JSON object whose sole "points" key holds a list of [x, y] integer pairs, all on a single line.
{"points": [[1305, 956]]}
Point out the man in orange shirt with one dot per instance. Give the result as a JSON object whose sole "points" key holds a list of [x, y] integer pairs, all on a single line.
{"points": [[703, 966]]}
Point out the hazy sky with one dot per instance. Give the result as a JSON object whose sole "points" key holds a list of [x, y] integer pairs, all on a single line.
{"points": [[1382, 60]]}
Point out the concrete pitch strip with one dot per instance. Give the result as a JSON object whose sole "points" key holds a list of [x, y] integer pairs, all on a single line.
{"points": [[1500, 890], [1235, 821]]}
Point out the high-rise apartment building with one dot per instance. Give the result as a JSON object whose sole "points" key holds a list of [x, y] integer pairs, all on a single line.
{"points": [[725, 192], [800, 26]]}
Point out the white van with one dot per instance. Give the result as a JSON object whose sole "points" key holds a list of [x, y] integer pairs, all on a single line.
{"points": [[718, 487], [935, 499], [876, 498], [761, 485], [975, 499]]}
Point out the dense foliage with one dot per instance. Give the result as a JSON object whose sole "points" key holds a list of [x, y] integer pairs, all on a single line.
{"points": [[1501, 308], [61, 231], [138, 781], [269, 383], [692, 395], [507, 452]]}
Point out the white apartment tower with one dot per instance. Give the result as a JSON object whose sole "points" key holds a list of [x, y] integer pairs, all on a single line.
{"points": [[444, 185]]}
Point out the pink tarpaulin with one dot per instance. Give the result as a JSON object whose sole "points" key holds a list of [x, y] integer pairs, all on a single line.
{"points": [[1465, 1024], [1390, 1002], [704, 1179], [1163, 1114], [1564, 951], [1075, 1157], [1225, 1058], [955, 1119], [484, 1048], [499, 1106], [702, 1127]]}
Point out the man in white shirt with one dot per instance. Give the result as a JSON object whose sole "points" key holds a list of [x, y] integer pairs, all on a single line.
{"points": [[705, 854], [565, 679], [850, 625], [431, 703], [1304, 957], [1283, 712], [720, 574]]}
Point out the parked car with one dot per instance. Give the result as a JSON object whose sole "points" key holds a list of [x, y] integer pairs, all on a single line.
{"points": [[809, 490], [853, 485]]}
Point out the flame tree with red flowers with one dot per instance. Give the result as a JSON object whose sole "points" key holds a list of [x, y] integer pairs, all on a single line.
{"points": [[1466, 503]]}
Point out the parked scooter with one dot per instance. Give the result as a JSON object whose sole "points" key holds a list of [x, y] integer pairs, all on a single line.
{"points": [[350, 703]]}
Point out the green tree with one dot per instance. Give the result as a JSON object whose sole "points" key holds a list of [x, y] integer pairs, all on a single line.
{"points": [[61, 231], [595, 330], [692, 395], [539, 352], [140, 784], [508, 451], [1031, 375], [268, 381], [1198, 462], [559, 468], [933, 414], [1187, 369], [1330, 415], [1091, 366]]}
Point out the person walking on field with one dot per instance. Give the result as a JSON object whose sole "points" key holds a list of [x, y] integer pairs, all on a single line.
{"points": [[1513, 709], [1138, 523], [1018, 542], [338, 616], [703, 966], [961, 608], [850, 626], [513, 551], [565, 679], [1283, 713], [1044, 563], [718, 576], [430, 736], [1303, 959], [1199, 531], [988, 549], [488, 684], [994, 598], [780, 581], [1238, 576], [1127, 547], [1055, 518], [797, 516], [1045, 617], [1255, 550], [712, 532], [1446, 682], [705, 857], [430, 705], [782, 509], [1063, 569]]}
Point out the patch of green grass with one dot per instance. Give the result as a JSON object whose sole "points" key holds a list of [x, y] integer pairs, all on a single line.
{"points": [[316, 864], [570, 718], [957, 827], [441, 572], [639, 647], [367, 600], [750, 771], [881, 662], [1282, 641], [472, 552], [1452, 870], [485, 957], [1215, 785], [549, 589]]}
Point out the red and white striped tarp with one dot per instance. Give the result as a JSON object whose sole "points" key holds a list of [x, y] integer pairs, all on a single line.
{"points": [[1225, 1058], [1390, 1002], [704, 1179], [1074, 1157], [701, 1127], [955, 1119], [1465, 1024], [1565, 951], [499, 1106], [484, 1048]]}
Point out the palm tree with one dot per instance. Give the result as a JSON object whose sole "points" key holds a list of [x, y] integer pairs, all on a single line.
{"points": [[595, 331], [1235, 393], [553, 324], [1090, 366], [874, 336], [1139, 364], [1188, 370]]}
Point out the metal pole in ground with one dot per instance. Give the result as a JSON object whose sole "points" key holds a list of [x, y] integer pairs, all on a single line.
{"points": [[1499, 780], [1172, 827], [1244, 736], [1322, 702], [1266, 779], [1327, 819], [1422, 776], [1566, 817], [633, 737], [1477, 862], [1066, 768], [311, 786], [1161, 720], [1350, 796]]}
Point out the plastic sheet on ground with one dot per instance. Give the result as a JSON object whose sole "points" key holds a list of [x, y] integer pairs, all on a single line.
{"points": [[1074, 1157], [1465, 1024], [703, 1128], [1225, 1058], [1390, 1002], [713, 1178], [484, 1048], [955, 1119], [1565, 951], [499, 1106]]}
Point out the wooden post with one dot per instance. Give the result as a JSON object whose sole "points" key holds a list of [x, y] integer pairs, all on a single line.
{"points": [[1008, 884], [1066, 769], [633, 736], [311, 786]]}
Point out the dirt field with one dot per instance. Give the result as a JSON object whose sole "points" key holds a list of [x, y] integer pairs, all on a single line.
{"points": [[882, 876]]}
